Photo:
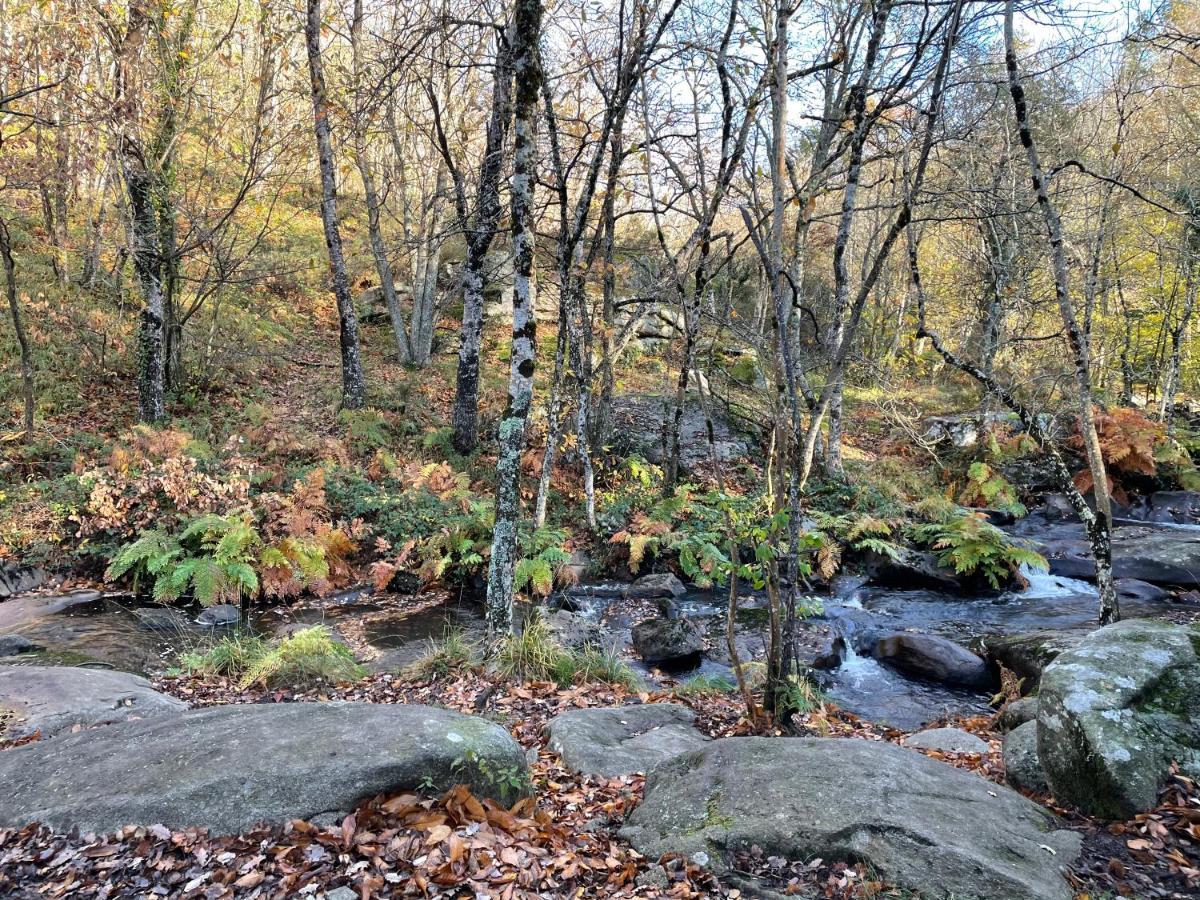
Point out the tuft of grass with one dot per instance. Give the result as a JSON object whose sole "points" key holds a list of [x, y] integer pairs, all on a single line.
{"points": [[704, 683], [232, 655], [453, 653], [534, 655], [305, 657], [592, 663]]}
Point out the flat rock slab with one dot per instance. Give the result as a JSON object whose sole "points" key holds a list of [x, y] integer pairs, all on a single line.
{"points": [[226, 768], [54, 699], [947, 740], [623, 739], [922, 825]]}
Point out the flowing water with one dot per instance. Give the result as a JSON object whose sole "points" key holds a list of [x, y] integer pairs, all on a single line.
{"points": [[121, 632]]}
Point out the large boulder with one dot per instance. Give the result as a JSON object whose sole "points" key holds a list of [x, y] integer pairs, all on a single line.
{"points": [[1115, 711], [933, 658], [1022, 766], [227, 767], [909, 569], [17, 579], [53, 699], [1156, 555], [667, 641], [1174, 507], [624, 739], [920, 824], [657, 585], [1028, 654]]}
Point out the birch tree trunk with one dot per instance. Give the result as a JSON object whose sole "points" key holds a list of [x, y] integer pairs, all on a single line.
{"points": [[353, 381], [480, 232], [1099, 528], [527, 75]]}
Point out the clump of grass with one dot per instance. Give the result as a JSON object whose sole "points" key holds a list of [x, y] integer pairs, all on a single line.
{"points": [[305, 657], [453, 653], [232, 655], [592, 663], [704, 683], [534, 655]]}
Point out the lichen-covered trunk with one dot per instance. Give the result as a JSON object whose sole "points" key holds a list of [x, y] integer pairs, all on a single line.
{"points": [[553, 421], [353, 381], [1077, 339], [527, 20], [14, 309], [147, 263], [480, 233]]}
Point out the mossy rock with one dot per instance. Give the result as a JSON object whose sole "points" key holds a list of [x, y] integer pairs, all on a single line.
{"points": [[1116, 711]]}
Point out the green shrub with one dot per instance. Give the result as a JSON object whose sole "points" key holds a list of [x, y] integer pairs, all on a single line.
{"points": [[231, 656], [531, 655], [591, 663], [704, 683], [987, 487]]}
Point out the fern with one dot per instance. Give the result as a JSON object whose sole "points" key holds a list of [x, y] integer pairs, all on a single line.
{"points": [[970, 545]]}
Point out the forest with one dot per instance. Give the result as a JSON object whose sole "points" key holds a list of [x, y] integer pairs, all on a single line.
{"points": [[600, 448]]}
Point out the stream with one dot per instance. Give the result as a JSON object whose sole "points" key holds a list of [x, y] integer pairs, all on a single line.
{"points": [[117, 631]]}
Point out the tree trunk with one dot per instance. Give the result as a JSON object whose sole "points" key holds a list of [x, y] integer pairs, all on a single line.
{"points": [[353, 381], [10, 290], [553, 420], [1076, 338], [480, 232], [527, 20], [147, 263]]}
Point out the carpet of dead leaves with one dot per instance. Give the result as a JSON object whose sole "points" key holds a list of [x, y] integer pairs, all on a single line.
{"points": [[561, 842]]}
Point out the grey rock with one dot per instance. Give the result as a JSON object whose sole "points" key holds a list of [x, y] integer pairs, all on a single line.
{"points": [[17, 579], [654, 877], [21, 610], [574, 630], [1027, 655], [1176, 507], [1017, 713], [342, 893], [947, 740], [219, 616], [53, 699], [667, 640], [623, 739], [921, 824], [910, 569], [1159, 556], [225, 768], [932, 657], [1022, 766], [1133, 589], [660, 584], [162, 619], [16, 644], [1116, 710], [638, 428]]}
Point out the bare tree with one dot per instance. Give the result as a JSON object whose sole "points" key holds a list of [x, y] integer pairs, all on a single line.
{"points": [[353, 380]]}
